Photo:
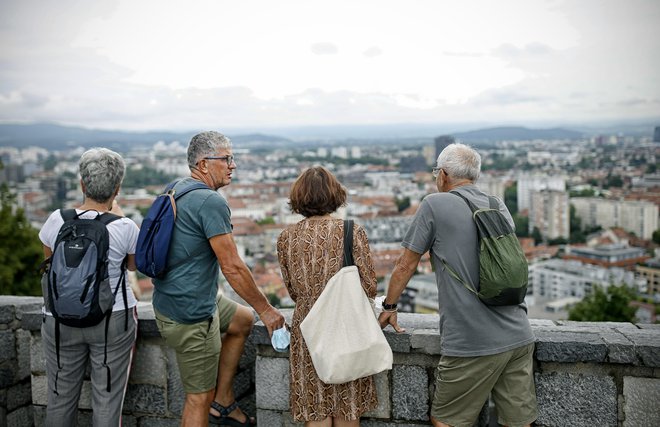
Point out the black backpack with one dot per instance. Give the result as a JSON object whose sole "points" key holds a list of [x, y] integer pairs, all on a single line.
{"points": [[75, 284]]}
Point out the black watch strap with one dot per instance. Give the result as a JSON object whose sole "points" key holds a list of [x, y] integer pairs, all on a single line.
{"points": [[389, 306]]}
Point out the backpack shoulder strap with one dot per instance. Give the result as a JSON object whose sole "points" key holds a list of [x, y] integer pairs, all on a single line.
{"points": [[493, 203], [348, 243], [107, 217], [68, 214], [188, 189]]}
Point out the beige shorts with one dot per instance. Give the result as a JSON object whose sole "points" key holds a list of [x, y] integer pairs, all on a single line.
{"points": [[464, 383], [197, 345]]}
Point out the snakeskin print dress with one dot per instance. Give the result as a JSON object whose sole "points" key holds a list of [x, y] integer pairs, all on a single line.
{"points": [[310, 253]]}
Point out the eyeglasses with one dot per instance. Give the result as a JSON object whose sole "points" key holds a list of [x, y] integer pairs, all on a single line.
{"points": [[228, 159], [435, 172]]}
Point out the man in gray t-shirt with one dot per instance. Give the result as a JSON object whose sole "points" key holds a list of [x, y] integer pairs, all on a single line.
{"points": [[484, 348]]}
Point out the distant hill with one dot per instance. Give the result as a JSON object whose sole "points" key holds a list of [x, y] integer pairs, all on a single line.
{"points": [[58, 137], [495, 134]]}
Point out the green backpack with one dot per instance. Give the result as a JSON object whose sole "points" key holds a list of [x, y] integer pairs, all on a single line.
{"points": [[503, 268]]}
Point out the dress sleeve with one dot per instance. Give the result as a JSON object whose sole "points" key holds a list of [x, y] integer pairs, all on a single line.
{"points": [[362, 257], [282, 256]]}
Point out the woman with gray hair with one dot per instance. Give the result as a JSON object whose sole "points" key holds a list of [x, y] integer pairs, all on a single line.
{"points": [[109, 344]]}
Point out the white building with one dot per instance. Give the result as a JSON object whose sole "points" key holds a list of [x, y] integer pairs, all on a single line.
{"points": [[549, 212], [639, 217], [556, 278], [528, 183], [492, 185]]}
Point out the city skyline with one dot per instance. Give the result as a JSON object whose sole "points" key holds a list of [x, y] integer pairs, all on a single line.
{"points": [[148, 65]]}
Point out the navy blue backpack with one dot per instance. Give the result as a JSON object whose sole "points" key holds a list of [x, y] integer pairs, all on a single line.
{"points": [[153, 243]]}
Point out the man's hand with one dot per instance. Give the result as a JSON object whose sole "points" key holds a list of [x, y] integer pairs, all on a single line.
{"points": [[389, 318], [272, 318]]}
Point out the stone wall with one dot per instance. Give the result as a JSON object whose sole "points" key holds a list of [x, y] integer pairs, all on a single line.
{"points": [[587, 374]]}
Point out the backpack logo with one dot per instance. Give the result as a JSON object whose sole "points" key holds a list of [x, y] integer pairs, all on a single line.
{"points": [[503, 268]]}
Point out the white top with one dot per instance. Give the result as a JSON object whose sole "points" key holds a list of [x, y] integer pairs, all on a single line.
{"points": [[123, 238]]}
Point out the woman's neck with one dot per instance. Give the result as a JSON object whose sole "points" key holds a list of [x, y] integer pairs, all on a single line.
{"points": [[326, 216], [93, 205]]}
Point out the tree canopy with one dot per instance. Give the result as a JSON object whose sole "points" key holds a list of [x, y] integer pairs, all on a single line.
{"points": [[20, 250], [609, 305]]}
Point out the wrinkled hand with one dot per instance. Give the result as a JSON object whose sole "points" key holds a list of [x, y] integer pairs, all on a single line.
{"points": [[389, 318], [272, 319]]}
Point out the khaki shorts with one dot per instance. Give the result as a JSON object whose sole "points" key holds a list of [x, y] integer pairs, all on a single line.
{"points": [[197, 345], [464, 383]]}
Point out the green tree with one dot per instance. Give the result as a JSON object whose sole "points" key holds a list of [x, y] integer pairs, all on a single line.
{"points": [[656, 236], [274, 300], [536, 234], [610, 305], [511, 199], [402, 204], [266, 221], [522, 225], [20, 250]]}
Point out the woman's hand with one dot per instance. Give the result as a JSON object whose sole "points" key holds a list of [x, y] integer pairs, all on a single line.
{"points": [[389, 318]]}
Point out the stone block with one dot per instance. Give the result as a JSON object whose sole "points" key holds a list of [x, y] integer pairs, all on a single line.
{"points": [[249, 354], [159, 422], [410, 398], [128, 421], [28, 306], [577, 400], [272, 383], [175, 393], [260, 335], [39, 413], [39, 388], [85, 401], [426, 341], [32, 321], [641, 401], [21, 417], [379, 423], [413, 321], [7, 345], [400, 343], [7, 314], [648, 326], [559, 346], [8, 370], [647, 345], [19, 395], [23, 339], [149, 365], [288, 421], [146, 398], [84, 418], [3, 398], [243, 382], [384, 408], [269, 418], [542, 323], [37, 358], [598, 325]]}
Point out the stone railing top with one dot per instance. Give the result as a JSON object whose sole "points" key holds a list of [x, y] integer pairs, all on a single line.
{"points": [[556, 341]]}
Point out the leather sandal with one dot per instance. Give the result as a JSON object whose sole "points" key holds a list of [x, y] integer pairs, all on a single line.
{"points": [[225, 420]]}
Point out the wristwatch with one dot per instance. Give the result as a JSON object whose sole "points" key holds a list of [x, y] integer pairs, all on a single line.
{"points": [[389, 306]]}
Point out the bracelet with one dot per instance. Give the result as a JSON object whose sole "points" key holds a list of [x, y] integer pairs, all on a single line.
{"points": [[390, 310], [389, 307], [269, 308]]}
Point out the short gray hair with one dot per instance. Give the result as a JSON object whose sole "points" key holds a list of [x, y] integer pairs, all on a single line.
{"points": [[205, 144], [460, 161], [101, 171]]}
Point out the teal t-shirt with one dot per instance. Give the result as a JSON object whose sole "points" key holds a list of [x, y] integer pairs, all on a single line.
{"points": [[188, 292]]}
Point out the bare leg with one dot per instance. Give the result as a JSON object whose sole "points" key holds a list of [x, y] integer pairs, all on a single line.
{"points": [[196, 409], [323, 423], [232, 348], [338, 422], [437, 423]]}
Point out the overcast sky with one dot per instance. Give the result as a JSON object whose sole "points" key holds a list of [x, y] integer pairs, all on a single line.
{"points": [[136, 64]]}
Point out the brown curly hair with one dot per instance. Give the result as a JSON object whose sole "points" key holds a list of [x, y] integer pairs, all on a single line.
{"points": [[316, 192]]}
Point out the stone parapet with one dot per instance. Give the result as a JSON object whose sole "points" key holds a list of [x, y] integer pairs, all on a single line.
{"points": [[605, 374]]}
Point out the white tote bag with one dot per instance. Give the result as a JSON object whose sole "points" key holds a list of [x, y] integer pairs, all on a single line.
{"points": [[342, 334]]}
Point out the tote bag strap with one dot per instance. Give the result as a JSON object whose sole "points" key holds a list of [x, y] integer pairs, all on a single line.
{"points": [[348, 243]]}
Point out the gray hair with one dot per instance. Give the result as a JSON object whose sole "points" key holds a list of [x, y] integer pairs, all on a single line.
{"points": [[205, 144], [460, 161], [101, 171]]}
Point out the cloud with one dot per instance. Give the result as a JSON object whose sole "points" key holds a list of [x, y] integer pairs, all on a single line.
{"points": [[463, 54], [509, 51], [372, 52], [323, 48]]}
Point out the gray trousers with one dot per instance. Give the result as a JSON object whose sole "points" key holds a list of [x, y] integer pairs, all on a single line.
{"points": [[78, 346]]}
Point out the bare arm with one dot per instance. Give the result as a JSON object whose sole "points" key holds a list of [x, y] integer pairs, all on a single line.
{"points": [[404, 269], [240, 279], [47, 252]]}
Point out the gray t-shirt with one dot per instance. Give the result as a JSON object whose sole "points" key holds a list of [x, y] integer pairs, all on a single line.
{"points": [[188, 292], [443, 225]]}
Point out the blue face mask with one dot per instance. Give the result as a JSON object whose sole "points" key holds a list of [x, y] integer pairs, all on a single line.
{"points": [[280, 339]]}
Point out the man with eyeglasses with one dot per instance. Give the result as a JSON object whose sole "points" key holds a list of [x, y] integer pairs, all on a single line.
{"points": [[190, 314], [485, 349]]}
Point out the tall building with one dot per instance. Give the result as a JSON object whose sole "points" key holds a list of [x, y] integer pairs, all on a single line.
{"points": [[549, 212], [493, 185], [441, 142], [528, 183], [656, 134], [639, 217]]}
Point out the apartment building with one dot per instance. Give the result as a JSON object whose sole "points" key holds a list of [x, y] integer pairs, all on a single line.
{"points": [[639, 217]]}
